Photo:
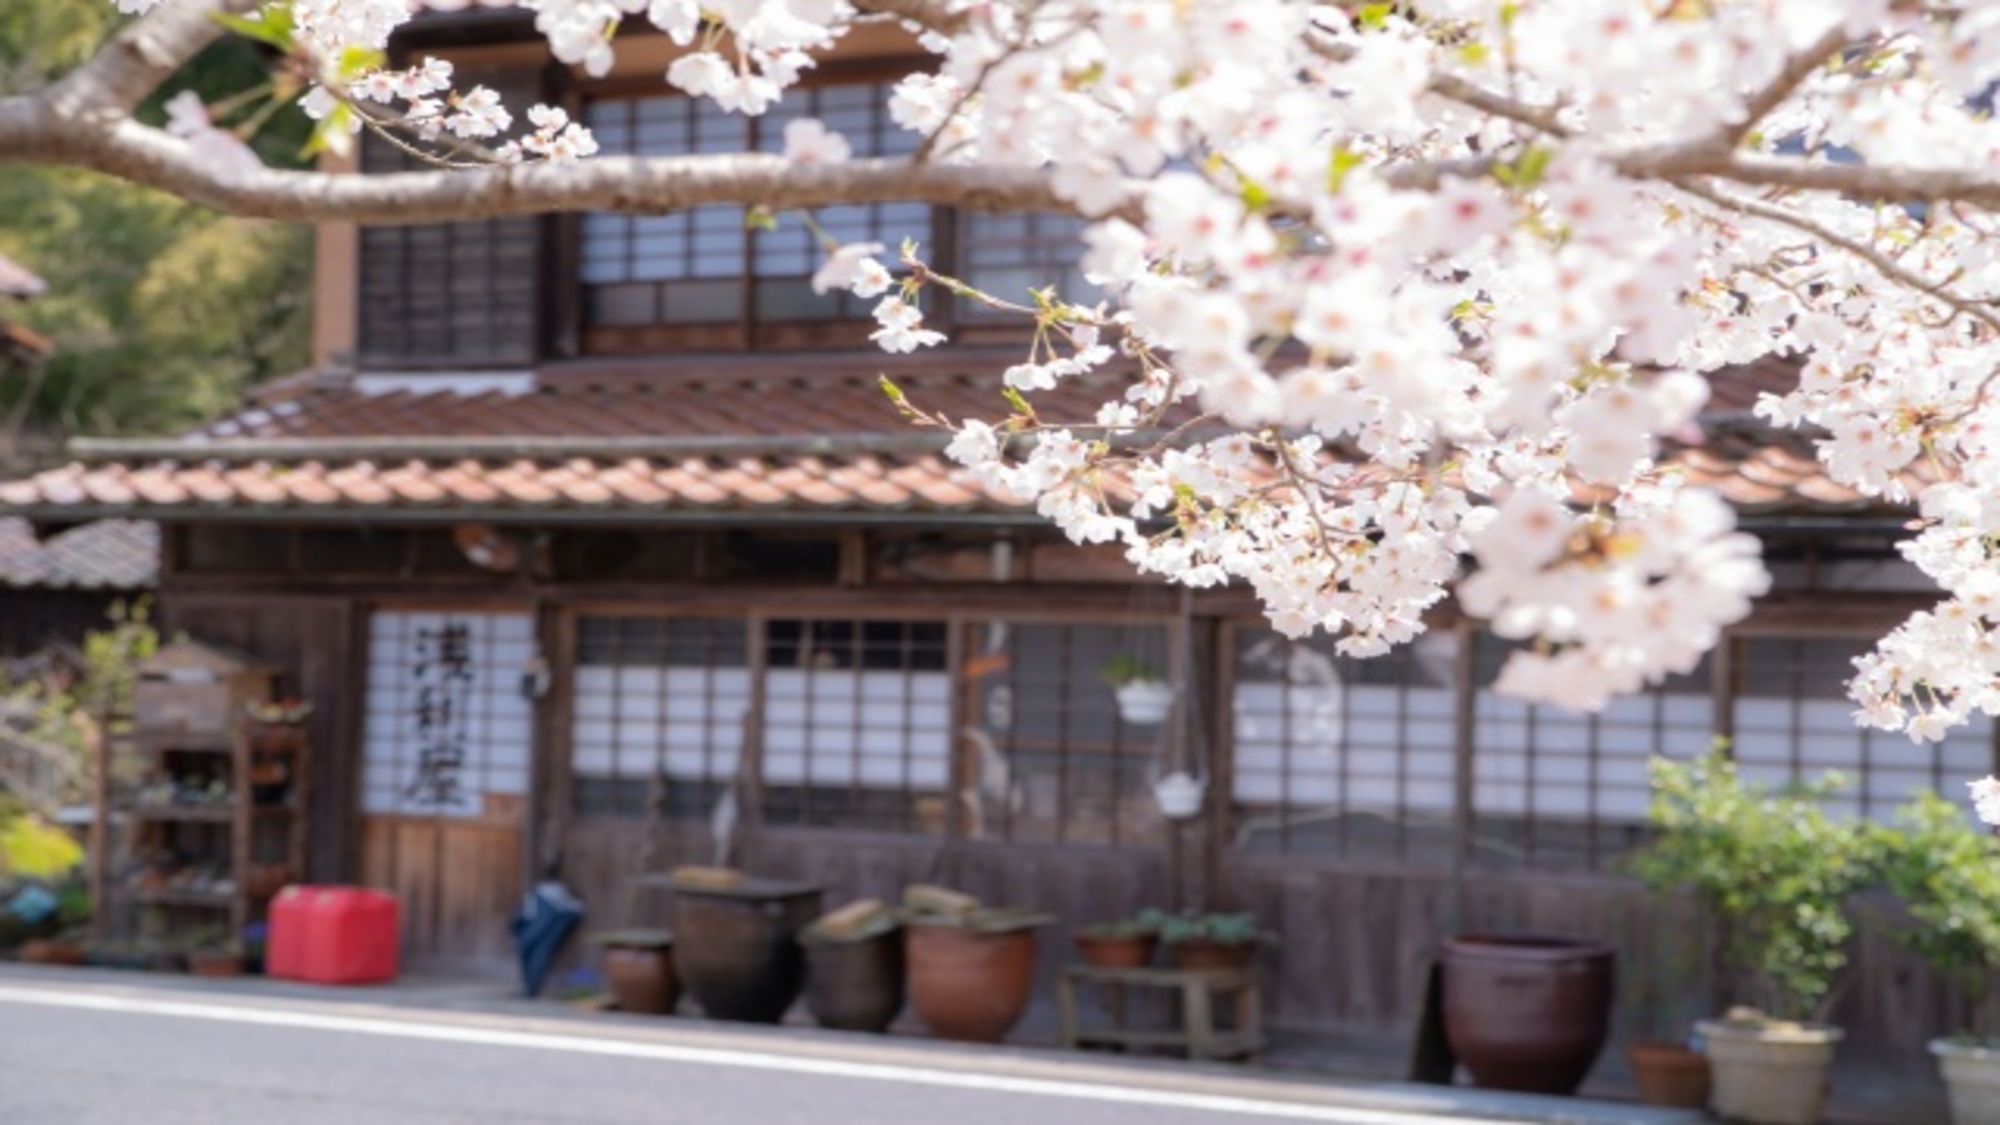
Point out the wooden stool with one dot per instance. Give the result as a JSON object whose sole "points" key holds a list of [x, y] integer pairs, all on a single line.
{"points": [[1198, 988]]}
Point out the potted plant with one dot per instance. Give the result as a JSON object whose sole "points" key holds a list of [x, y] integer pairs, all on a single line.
{"points": [[1665, 1066], [1947, 875], [971, 967], [1778, 871], [1126, 943], [638, 967], [223, 959], [1211, 941], [854, 966], [1144, 696]]}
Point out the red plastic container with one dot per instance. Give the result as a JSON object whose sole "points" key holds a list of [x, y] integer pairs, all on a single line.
{"points": [[284, 942], [333, 935]]}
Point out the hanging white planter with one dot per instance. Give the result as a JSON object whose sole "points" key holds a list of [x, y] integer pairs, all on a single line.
{"points": [[1145, 702], [1179, 794]]}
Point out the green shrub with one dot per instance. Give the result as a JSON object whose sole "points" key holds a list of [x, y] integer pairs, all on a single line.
{"points": [[1773, 865], [1947, 874]]}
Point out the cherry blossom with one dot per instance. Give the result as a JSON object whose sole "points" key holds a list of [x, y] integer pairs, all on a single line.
{"points": [[808, 141], [853, 267], [1397, 303]]}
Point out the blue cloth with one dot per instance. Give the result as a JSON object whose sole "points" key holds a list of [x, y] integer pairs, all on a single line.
{"points": [[32, 904], [543, 923]]}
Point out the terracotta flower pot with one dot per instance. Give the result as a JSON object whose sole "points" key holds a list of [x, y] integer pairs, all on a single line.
{"points": [[968, 984], [856, 985], [215, 965], [1669, 1074], [1130, 951], [1526, 1012], [1203, 954], [44, 951], [638, 968]]}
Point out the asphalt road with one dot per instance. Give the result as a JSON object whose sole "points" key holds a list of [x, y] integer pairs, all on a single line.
{"points": [[132, 1056]]}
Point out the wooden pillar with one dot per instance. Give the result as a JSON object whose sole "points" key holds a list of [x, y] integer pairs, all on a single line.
{"points": [[1464, 724]]}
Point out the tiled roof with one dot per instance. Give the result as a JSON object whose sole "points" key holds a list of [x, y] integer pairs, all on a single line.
{"points": [[102, 555], [745, 435], [814, 436]]}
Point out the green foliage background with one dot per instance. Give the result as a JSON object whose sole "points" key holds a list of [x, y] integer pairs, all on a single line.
{"points": [[161, 313], [1774, 865]]}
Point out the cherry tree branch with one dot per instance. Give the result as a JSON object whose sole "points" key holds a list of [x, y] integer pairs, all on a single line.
{"points": [[31, 132], [1883, 264], [933, 15], [1782, 85], [144, 54]]}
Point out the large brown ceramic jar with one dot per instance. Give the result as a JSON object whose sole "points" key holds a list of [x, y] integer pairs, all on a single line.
{"points": [[1527, 1012], [855, 985], [736, 947]]}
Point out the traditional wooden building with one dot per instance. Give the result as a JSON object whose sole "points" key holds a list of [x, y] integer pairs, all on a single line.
{"points": [[593, 538]]}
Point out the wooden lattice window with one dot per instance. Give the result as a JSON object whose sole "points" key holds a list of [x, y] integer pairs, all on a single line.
{"points": [[1338, 756], [450, 293], [659, 713], [787, 256], [1792, 721], [1050, 759], [1555, 789], [691, 268], [1010, 255], [683, 268], [857, 724]]}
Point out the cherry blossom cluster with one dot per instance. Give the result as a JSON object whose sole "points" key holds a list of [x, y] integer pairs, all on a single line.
{"points": [[747, 52], [1396, 300]]}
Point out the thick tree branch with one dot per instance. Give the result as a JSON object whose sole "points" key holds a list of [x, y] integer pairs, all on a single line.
{"points": [[1978, 186], [141, 56], [1796, 70], [933, 15], [30, 133]]}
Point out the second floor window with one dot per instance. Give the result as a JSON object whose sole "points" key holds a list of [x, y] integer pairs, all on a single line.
{"points": [[691, 267]]}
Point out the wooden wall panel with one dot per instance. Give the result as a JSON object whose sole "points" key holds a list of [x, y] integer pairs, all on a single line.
{"points": [[458, 881], [312, 641]]}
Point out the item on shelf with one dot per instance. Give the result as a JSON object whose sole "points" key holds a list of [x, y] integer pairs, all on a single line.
{"points": [[207, 784], [282, 712]]}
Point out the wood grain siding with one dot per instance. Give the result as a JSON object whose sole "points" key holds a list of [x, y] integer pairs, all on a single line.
{"points": [[311, 640], [458, 881]]}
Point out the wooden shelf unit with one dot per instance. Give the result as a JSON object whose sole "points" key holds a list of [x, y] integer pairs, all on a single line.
{"points": [[180, 796]]}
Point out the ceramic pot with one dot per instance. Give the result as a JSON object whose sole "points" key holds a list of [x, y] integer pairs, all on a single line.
{"points": [[968, 984], [1527, 1012], [215, 965], [736, 948], [1130, 952], [1769, 1074], [1145, 703], [856, 985], [1972, 1075], [1179, 795], [44, 951], [1203, 954], [1669, 1074], [638, 968]]}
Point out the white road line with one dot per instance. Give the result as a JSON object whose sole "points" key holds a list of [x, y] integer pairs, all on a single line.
{"points": [[718, 1056]]}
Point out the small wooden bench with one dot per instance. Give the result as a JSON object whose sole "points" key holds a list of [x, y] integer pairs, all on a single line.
{"points": [[1199, 990]]}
